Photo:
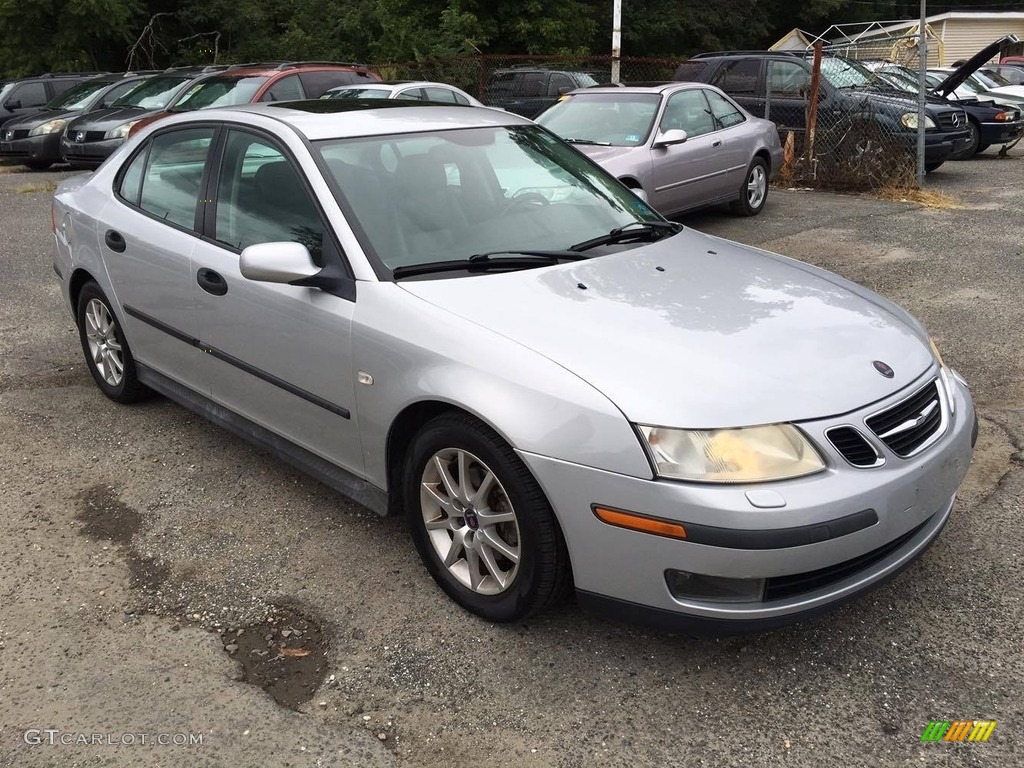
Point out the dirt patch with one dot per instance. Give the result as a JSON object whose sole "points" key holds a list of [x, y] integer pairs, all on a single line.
{"points": [[285, 655], [147, 573], [105, 517]]}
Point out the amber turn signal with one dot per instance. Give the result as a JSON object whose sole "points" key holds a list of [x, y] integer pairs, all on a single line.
{"points": [[640, 522]]}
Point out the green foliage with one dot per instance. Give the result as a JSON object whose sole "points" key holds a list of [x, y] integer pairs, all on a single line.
{"points": [[37, 35]]}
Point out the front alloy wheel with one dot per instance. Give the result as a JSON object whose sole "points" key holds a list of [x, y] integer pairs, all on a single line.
{"points": [[470, 521], [481, 523]]}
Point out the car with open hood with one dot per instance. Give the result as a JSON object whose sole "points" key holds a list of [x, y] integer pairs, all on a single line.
{"points": [[35, 140], [776, 83], [991, 120], [451, 314], [681, 146]]}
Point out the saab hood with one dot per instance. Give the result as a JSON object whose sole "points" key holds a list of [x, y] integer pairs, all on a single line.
{"points": [[693, 331]]}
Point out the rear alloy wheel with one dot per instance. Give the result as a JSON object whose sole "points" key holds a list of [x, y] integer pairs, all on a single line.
{"points": [[754, 192], [107, 354], [482, 525], [974, 146]]}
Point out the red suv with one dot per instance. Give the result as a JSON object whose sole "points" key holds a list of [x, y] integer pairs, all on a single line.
{"points": [[272, 81]]}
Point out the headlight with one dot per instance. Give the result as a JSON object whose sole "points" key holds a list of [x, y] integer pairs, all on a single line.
{"points": [[747, 455], [51, 126], [948, 380], [121, 132], [909, 120]]}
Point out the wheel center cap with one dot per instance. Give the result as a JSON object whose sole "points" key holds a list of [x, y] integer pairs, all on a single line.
{"points": [[471, 520]]}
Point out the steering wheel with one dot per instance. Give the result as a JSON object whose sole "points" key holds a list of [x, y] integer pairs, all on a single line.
{"points": [[526, 198]]}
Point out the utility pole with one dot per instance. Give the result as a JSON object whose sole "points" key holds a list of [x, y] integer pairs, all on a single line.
{"points": [[617, 38], [922, 89]]}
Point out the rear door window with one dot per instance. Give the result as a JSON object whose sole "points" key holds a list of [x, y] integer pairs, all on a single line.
{"points": [[173, 176], [286, 89], [739, 77], [787, 78]]}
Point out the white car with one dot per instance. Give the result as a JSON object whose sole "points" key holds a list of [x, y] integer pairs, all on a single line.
{"points": [[419, 90]]}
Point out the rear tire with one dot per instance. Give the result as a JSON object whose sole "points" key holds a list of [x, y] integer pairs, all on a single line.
{"points": [[929, 167], [106, 352], [481, 523], [754, 192], [37, 165]]}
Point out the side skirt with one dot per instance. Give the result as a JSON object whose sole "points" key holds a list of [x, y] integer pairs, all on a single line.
{"points": [[329, 474]]}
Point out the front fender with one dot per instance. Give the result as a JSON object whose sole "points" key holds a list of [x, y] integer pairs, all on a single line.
{"points": [[418, 352]]}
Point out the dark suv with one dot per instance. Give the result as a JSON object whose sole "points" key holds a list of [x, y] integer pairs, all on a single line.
{"points": [[21, 98], [529, 91], [35, 140], [774, 85]]}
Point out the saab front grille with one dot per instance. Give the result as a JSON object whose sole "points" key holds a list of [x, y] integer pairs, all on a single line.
{"points": [[853, 446], [909, 424], [781, 587]]}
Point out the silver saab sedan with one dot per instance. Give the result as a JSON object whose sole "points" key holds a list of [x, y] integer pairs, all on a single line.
{"points": [[681, 146], [449, 313]]}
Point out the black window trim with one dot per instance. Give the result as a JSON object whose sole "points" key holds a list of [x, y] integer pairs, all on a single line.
{"points": [[333, 253]]}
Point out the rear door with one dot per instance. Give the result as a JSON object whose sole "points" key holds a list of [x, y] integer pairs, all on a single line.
{"points": [[742, 80], [147, 237], [278, 354]]}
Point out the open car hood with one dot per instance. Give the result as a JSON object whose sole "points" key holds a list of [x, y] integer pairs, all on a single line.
{"points": [[977, 61]]}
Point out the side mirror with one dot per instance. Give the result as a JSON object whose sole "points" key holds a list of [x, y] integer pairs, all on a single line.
{"points": [[563, 89], [670, 137], [277, 263], [12, 104], [639, 193]]}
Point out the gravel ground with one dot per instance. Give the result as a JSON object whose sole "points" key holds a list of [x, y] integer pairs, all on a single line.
{"points": [[138, 543]]}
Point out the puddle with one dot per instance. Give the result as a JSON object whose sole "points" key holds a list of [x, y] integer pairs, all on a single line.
{"points": [[285, 655], [105, 517]]}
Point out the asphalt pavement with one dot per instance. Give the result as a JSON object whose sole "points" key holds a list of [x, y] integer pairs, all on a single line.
{"points": [[144, 552]]}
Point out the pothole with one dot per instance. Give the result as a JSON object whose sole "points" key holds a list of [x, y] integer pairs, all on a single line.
{"points": [[105, 517], [285, 655]]}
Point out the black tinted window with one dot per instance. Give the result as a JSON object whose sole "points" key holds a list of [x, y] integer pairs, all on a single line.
{"points": [[691, 70], [173, 177], [531, 84], [315, 84], [559, 84], [261, 198], [738, 77], [29, 94]]}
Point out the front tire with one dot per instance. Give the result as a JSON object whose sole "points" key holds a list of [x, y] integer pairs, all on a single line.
{"points": [[754, 192], [106, 352], [481, 523]]}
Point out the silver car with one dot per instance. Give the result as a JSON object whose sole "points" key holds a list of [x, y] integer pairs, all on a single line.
{"points": [[451, 314], [680, 145], [418, 90]]}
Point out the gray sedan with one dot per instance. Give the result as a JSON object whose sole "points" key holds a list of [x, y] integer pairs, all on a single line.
{"points": [[450, 314], [681, 146]]}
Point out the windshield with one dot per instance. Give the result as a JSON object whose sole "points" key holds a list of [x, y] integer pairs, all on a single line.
{"points": [[221, 91], [619, 119], [844, 73], [77, 97], [445, 195], [991, 79], [358, 93], [897, 81], [155, 93]]}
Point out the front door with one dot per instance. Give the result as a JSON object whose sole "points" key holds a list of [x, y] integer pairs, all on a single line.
{"points": [[786, 88], [279, 355]]}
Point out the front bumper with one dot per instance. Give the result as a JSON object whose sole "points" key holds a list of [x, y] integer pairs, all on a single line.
{"points": [[1001, 133], [88, 154], [44, 148], [940, 146], [623, 572]]}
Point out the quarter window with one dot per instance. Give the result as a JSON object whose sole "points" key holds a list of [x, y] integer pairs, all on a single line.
{"points": [[261, 198], [173, 175], [726, 113], [440, 94]]}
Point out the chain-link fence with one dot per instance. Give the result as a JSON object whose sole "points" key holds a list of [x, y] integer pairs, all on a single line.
{"points": [[843, 125]]}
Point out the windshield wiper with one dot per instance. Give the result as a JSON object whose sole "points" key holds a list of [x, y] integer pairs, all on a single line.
{"points": [[482, 262], [589, 142], [633, 230]]}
